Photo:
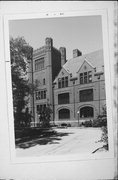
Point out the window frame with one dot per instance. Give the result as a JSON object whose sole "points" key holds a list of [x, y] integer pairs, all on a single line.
{"points": [[84, 77], [82, 93], [63, 82], [41, 94], [61, 100], [39, 64]]}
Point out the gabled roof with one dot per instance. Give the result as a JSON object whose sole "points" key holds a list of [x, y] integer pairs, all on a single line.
{"points": [[62, 69], [95, 59], [85, 61]]}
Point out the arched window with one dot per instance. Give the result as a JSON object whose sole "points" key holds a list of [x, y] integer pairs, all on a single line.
{"points": [[64, 114], [86, 112]]}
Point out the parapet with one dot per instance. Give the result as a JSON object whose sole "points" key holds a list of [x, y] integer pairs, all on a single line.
{"points": [[49, 42]]}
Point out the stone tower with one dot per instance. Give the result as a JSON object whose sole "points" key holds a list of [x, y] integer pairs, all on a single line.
{"points": [[48, 63]]}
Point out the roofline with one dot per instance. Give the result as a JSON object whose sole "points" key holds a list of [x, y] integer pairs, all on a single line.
{"points": [[59, 72], [82, 65], [87, 53]]}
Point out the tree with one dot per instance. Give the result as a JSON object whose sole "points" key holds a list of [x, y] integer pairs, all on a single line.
{"points": [[45, 116], [102, 122], [20, 56]]}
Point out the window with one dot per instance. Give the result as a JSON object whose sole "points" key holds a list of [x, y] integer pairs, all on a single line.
{"points": [[44, 94], [86, 112], [66, 81], [63, 82], [39, 64], [44, 81], [36, 95], [86, 77], [59, 83], [64, 114], [81, 78], [40, 94], [63, 98], [40, 108], [89, 76], [37, 108], [86, 95]]}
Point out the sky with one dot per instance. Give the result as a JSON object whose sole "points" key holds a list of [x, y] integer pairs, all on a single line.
{"points": [[81, 32]]}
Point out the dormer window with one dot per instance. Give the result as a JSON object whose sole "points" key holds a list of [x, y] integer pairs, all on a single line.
{"points": [[63, 82], [86, 77]]}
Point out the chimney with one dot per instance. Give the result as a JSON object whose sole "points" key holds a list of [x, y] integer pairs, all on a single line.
{"points": [[63, 55], [76, 53], [49, 42]]}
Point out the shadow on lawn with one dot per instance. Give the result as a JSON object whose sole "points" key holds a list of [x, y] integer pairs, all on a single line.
{"points": [[43, 138]]}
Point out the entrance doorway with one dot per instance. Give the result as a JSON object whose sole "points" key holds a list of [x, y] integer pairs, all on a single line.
{"points": [[86, 112]]}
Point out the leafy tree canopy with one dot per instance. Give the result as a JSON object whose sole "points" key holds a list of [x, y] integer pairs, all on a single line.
{"points": [[21, 56]]}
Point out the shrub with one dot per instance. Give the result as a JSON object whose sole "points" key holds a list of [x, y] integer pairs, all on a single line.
{"points": [[101, 119], [104, 137], [64, 124], [69, 125], [103, 123], [100, 122], [88, 123]]}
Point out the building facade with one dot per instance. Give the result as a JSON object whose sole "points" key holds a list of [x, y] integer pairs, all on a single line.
{"points": [[46, 64], [79, 92], [75, 89]]}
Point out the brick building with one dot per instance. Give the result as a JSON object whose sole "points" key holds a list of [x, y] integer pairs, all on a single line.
{"points": [[79, 92], [75, 89], [46, 64]]}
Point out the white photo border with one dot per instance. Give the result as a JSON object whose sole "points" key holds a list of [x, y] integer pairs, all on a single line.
{"points": [[108, 84]]}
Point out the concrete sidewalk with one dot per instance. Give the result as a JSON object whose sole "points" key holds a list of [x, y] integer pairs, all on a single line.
{"points": [[70, 140]]}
